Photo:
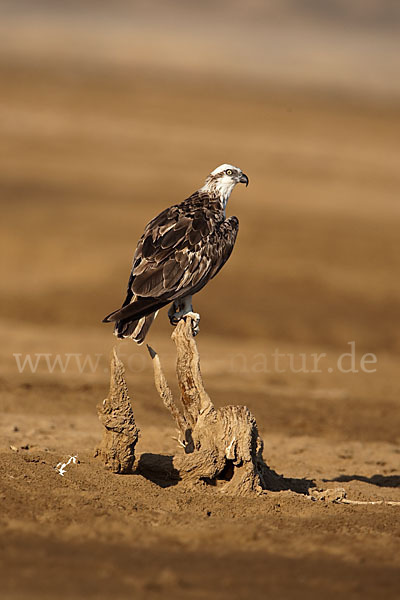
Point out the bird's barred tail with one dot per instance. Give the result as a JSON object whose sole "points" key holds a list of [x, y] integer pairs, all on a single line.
{"points": [[136, 330]]}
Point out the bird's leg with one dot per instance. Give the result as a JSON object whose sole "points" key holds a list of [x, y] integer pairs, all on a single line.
{"points": [[173, 309], [183, 308], [179, 308]]}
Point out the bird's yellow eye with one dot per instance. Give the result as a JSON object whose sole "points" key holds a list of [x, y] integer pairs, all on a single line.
{"points": [[229, 172]]}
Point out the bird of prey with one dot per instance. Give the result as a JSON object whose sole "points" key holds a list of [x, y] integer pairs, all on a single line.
{"points": [[179, 252]]}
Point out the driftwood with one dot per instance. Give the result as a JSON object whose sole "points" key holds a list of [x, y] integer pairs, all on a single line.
{"points": [[117, 449], [220, 446]]}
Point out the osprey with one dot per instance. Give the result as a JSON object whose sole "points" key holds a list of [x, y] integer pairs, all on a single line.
{"points": [[179, 252]]}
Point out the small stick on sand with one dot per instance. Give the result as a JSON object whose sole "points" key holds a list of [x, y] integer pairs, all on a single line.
{"points": [[338, 496]]}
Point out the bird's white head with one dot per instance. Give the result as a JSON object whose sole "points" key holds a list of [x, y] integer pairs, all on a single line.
{"points": [[222, 180]]}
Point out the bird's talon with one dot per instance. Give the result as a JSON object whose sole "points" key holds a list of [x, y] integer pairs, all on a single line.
{"points": [[194, 316], [195, 322], [176, 317]]}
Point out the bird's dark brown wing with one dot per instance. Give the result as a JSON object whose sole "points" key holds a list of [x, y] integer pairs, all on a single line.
{"points": [[178, 253]]}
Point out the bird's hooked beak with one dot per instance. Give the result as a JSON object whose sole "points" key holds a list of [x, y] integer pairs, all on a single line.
{"points": [[244, 179]]}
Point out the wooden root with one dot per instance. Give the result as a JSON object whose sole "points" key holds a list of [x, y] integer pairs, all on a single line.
{"points": [[220, 446], [117, 449]]}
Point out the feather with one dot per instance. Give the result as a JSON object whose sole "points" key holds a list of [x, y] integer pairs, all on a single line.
{"points": [[136, 330], [148, 247], [149, 283], [172, 272]]}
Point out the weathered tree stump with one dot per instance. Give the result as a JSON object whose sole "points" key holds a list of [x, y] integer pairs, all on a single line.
{"points": [[220, 446], [117, 449]]}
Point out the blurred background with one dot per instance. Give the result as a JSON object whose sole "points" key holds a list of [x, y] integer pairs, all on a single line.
{"points": [[110, 112]]}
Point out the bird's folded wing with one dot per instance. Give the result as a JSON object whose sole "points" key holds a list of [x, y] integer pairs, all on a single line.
{"points": [[179, 251]]}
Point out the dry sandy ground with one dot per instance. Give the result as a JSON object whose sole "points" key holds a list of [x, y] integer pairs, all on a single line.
{"points": [[86, 160]]}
